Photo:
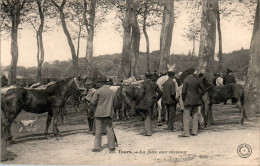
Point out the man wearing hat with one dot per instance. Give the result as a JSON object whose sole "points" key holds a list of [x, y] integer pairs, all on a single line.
{"points": [[105, 101], [192, 99], [90, 109], [229, 78], [149, 94], [168, 98]]}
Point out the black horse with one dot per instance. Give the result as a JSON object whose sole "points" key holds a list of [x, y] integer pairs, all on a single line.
{"points": [[217, 95], [220, 94], [51, 100]]}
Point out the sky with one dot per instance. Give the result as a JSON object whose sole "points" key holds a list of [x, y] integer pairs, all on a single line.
{"points": [[109, 41]]}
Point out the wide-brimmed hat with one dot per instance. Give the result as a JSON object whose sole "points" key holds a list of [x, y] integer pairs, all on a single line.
{"points": [[148, 74], [102, 79], [171, 73], [190, 71], [229, 70]]}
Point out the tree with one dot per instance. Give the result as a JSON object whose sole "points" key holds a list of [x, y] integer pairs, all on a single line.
{"points": [[193, 8], [13, 9], [69, 39], [148, 13], [149, 8], [253, 73], [166, 34], [220, 61], [207, 36], [90, 25], [131, 42]]}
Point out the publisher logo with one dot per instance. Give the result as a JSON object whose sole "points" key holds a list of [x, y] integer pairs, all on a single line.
{"points": [[244, 150]]}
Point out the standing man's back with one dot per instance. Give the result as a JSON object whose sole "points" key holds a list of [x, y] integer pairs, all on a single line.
{"points": [[105, 101]]}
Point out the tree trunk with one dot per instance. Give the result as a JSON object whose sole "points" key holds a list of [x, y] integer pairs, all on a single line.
{"points": [[15, 15], [90, 28], [131, 43], [65, 29], [253, 73], [146, 37], [166, 35], [135, 44], [207, 36], [193, 48], [40, 52], [220, 42]]}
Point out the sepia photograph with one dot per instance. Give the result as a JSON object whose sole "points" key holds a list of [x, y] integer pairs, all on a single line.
{"points": [[130, 82]]}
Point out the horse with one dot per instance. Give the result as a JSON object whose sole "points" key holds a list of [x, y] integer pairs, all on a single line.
{"points": [[220, 94], [38, 101]]}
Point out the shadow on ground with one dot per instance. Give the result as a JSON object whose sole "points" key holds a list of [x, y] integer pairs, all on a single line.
{"points": [[226, 117]]}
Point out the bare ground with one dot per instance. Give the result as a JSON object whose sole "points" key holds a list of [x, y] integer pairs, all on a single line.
{"points": [[216, 145]]}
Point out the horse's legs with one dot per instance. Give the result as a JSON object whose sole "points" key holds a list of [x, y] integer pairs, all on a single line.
{"points": [[48, 122], [241, 112], [159, 112], [56, 112], [117, 112], [210, 117]]}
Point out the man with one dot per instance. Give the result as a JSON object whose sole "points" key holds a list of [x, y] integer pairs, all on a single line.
{"points": [[191, 97], [90, 109], [105, 101], [229, 79], [219, 80], [149, 94], [168, 98]]}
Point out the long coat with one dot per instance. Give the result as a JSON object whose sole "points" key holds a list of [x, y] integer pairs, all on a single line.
{"points": [[191, 94], [105, 99], [169, 92], [149, 94]]}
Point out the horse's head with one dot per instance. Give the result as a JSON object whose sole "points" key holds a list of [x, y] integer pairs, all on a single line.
{"points": [[171, 67]]}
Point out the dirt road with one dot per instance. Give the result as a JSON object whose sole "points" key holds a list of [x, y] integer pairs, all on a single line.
{"points": [[216, 145]]}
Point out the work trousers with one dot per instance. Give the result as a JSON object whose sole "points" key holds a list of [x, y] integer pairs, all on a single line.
{"points": [[148, 121], [190, 115], [107, 123], [171, 109]]}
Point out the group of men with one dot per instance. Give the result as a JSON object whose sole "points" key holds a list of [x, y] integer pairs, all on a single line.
{"points": [[103, 100], [191, 94]]}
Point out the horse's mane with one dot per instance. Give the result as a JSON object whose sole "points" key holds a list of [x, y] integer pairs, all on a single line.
{"points": [[59, 82]]}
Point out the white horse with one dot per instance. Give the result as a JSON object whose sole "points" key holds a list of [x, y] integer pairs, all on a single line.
{"points": [[160, 83]]}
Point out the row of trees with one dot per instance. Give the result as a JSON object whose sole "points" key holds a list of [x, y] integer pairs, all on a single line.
{"points": [[109, 65]]}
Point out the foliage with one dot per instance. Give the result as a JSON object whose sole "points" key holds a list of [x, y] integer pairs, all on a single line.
{"points": [[109, 65]]}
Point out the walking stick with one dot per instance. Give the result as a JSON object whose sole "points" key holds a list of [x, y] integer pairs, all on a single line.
{"points": [[115, 136]]}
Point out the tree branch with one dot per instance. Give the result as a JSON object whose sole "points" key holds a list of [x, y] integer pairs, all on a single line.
{"points": [[55, 4], [63, 3], [22, 5], [85, 15]]}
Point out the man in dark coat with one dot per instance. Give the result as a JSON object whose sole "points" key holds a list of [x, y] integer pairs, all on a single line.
{"points": [[149, 94], [90, 110], [105, 101], [229, 78], [169, 94], [192, 99]]}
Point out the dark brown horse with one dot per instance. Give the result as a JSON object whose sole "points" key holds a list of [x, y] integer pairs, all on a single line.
{"points": [[38, 101], [219, 94]]}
